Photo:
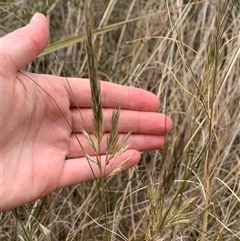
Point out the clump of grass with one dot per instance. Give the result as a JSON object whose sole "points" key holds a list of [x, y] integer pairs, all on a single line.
{"points": [[94, 83], [205, 101], [114, 147]]}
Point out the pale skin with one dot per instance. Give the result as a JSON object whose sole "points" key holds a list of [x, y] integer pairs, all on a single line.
{"points": [[39, 152]]}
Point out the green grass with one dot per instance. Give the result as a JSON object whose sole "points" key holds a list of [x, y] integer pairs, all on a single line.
{"points": [[187, 53]]}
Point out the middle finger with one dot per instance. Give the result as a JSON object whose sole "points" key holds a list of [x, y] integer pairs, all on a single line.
{"points": [[134, 121]]}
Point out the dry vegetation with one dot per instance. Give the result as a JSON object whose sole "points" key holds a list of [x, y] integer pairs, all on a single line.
{"points": [[186, 52]]}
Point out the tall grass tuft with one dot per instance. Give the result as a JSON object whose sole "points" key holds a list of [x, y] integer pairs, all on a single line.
{"points": [[114, 147]]}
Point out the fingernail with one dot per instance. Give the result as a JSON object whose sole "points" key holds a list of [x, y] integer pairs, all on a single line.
{"points": [[35, 18]]}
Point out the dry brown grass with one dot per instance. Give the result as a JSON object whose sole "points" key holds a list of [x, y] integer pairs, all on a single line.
{"points": [[186, 52]]}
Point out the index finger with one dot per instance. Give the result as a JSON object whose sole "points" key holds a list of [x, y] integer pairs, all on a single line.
{"points": [[112, 96]]}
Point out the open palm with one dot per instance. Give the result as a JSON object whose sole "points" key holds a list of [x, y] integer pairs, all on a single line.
{"points": [[39, 152]]}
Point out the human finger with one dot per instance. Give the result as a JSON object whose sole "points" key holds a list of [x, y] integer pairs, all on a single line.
{"points": [[134, 121], [23, 45], [80, 170], [112, 96], [79, 144]]}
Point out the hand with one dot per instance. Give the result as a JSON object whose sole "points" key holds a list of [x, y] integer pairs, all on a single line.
{"points": [[39, 153]]}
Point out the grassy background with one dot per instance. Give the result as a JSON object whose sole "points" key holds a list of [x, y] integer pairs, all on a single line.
{"points": [[187, 53]]}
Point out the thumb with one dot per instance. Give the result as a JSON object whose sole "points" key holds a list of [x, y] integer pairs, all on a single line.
{"points": [[22, 46]]}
